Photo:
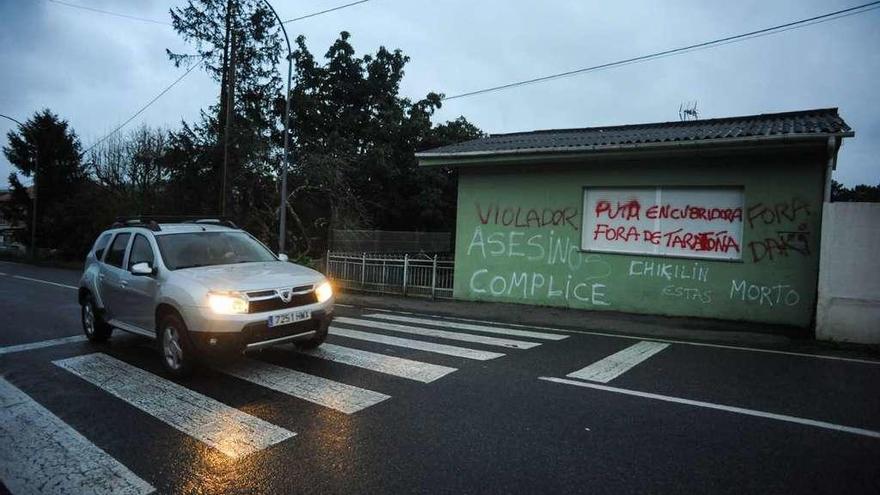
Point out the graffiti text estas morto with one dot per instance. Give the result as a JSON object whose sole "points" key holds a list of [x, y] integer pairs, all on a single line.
{"points": [[518, 216]]}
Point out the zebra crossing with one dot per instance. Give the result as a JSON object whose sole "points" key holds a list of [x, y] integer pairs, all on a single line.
{"points": [[31, 433]]}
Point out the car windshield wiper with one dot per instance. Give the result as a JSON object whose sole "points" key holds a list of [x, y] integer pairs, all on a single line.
{"points": [[194, 265]]}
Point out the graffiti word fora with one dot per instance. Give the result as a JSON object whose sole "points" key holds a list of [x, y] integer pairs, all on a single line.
{"points": [[517, 216], [688, 293], [535, 285], [786, 242], [710, 241], [669, 271], [786, 211], [632, 209], [764, 295]]}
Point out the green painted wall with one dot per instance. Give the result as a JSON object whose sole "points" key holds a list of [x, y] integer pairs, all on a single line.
{"points": [[543, 265]]}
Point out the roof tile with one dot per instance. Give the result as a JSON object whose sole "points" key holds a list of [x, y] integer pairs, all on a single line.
{"points": [[819, 122]]}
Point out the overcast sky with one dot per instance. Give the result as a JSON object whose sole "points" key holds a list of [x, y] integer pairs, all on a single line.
{"points": [[96, 70]]}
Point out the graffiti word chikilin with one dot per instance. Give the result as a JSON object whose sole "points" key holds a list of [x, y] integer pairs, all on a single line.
{"points": [[669, 271]]}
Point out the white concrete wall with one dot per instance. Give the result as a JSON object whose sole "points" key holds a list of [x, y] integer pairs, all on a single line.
{"points": [[848, 306]]}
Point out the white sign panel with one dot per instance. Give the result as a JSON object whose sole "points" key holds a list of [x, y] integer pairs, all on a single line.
{"points": [[695, 222]]}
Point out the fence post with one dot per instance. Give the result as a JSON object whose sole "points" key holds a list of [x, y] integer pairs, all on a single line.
{"points": [[434, 279], [405, 270], [327, 264], [363, 269]]}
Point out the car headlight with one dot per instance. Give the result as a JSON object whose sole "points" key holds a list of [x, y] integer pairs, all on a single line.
{"points": [[227, 303], [324, 291]]}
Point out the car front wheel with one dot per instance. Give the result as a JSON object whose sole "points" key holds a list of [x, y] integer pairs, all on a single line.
{"points": [[177, 353], [94, 326]]}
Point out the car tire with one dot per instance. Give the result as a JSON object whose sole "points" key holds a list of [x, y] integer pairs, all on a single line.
{"points": [[317, 339], [94, 326], [178, 357]]}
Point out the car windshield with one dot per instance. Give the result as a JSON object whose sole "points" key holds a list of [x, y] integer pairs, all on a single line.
{"points": [[210, 248]]}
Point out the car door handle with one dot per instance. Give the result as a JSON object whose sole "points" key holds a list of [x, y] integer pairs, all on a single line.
{"points": [[123, 284]]}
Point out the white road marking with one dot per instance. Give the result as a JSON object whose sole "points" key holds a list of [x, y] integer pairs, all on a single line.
{"points": [[720, 407], [653, 339], [39, 453], [41, 344], [618, 363], [421, 345], [21, 277], [467, 326], [390, 365], [225, 428], [442, 334], [328, 393]]}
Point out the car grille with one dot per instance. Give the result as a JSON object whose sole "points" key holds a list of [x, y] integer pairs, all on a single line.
{"points": [[259, 332], [275, 303]]}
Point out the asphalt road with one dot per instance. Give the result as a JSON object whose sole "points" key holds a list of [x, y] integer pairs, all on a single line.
{"points": [[496, 416]]}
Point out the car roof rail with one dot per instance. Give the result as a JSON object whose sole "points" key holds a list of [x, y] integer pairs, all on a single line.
{"points": [[152, 221], [146, 222], [225, 222]]}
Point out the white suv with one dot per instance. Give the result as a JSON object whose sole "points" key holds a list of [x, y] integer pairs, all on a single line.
{"points": [[199, 288]]}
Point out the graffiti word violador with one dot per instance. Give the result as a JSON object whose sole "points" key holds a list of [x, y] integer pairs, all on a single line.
{"points": [[517, 216]]}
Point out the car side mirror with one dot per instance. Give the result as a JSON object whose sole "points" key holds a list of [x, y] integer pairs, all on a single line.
{"points": [[282, 257], [142, 268]]}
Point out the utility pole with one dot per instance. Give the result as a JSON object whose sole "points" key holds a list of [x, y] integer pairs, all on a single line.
{"points": [[33, 192], [282, 221], [230, 100]]}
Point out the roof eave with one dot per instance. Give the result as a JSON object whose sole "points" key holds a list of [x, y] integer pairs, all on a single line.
{"points": [[426, 158]]}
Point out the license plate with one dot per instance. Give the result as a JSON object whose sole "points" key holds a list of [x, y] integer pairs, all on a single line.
{"points": [[288, 318]]}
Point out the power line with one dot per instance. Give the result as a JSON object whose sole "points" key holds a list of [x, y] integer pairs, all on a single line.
{"points": [[340, 7], [107, 12], [861, 9], [143, 108], [155, 21]]}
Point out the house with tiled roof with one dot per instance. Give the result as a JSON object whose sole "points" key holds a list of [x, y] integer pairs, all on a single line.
{"points": [[716, 218]]}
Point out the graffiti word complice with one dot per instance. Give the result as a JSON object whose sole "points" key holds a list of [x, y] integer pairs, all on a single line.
{"points": [[536, 285]]}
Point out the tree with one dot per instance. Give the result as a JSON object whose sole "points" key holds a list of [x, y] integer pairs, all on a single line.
{"points": [[860, 193], [47, 149], [354, 144], [238, 38], [130, 168]]}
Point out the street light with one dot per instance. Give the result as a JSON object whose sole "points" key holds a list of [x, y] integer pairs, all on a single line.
{"points": [[282, 227], [34, 188]]}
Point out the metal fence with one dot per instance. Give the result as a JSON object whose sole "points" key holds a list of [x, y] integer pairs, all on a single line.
{"points": [[405, 274], [387, 241]]}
